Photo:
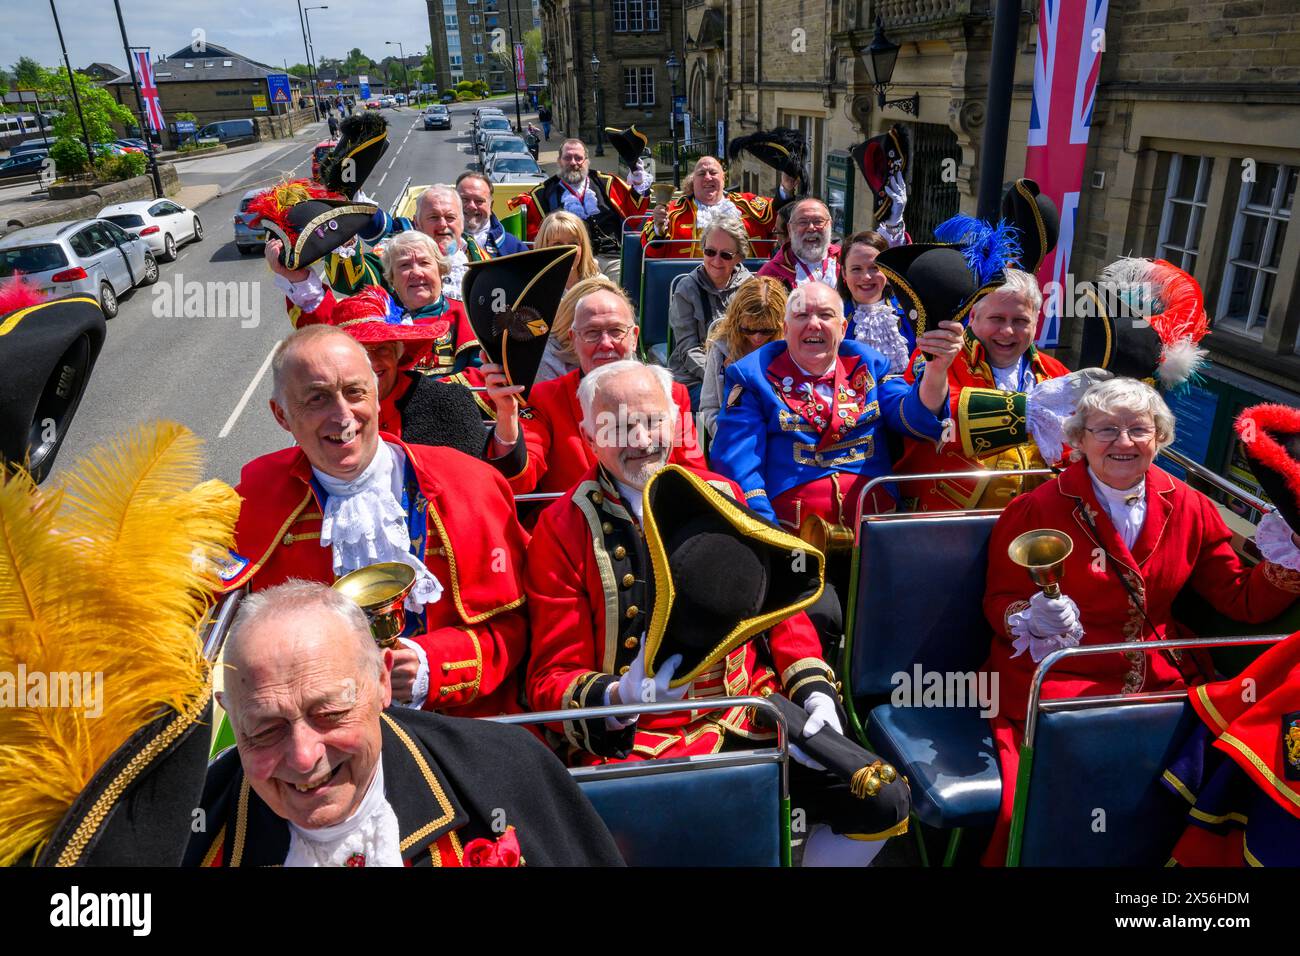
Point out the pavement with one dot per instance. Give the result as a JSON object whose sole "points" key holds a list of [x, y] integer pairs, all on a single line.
{"points": [[195, 347]]}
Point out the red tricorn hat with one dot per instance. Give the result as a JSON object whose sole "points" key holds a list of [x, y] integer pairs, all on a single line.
{"points": [[371, 316], [1270, 436]]}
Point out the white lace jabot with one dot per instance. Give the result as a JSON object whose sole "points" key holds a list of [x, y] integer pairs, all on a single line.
{"points": [[877, 325], [370, 837], [364, 523]]}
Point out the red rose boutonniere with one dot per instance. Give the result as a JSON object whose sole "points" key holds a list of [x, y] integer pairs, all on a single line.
{"points": [[503, 851]]}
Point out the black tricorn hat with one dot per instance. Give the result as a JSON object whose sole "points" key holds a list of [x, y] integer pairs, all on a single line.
{"points": [[138, 809], [1270, 436], [39, 337], [310, 220], [784, 149], [933, 283], [692, 531], [630, 143], [1037, 219], [879, 158], [511, 302], [363, 139]]}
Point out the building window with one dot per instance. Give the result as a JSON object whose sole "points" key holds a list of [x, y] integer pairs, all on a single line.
{"points": [[636, 16], [478, 39], [1255, 249], [931, 199], [473, 19], [1180, 224], [478, 58], [638, 86], [456, 60], [451, 21], [811, 127]]}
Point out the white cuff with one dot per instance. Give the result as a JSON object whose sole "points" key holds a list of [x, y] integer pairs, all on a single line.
{"points": [[1039, 647], [614, 723], [1273, 538], [419, 689], [306, 295]]}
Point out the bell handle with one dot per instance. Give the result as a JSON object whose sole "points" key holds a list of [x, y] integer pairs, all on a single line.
{"points": [[1053, 590]]}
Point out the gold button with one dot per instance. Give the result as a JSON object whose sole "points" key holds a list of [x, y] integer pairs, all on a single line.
{"points": [[628, 580], [620, 552], [287, 540], [624, 669], [632, 612], [574, 704], [598, 498], [630, 643], [607, 527]]}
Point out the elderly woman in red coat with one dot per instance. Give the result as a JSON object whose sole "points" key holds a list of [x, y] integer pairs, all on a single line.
{"points": [[1140, 536]]}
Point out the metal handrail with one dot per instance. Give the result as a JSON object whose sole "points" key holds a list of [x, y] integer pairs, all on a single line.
{"points": [[1056, 656], [401, 194], [540, 496], [1218, 481], [936, 476], [215, 638]]}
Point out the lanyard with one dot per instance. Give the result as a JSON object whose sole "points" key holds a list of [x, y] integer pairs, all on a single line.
{"points": [[821, 272], [581, 197]]}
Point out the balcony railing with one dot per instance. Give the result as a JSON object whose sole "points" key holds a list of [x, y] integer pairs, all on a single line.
{"points": [[906, 12]]}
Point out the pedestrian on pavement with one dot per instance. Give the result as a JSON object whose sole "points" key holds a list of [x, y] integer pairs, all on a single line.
{"points": [[544, 117], [334, 126], [533, 139]]}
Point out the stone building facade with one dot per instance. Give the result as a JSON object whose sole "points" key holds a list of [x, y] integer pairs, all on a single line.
{"points": [[463, 36]]}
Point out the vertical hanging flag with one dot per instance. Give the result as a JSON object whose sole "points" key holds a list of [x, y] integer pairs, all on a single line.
{"points": [[148, 90], [1071, 38], [521, 78]]}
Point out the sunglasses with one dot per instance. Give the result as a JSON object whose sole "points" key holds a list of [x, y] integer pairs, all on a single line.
{"points": [[726, 256], [744, 330]]}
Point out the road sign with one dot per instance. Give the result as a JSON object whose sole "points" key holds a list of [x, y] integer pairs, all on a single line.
{"points": [[277, 88], [259, 103], [338, 87], [184, 126], [679, 107], [364, 83], [722, 138]]}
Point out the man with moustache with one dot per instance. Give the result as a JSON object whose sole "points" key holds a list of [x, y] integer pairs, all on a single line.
{"points": [[346, 496], [704, 199], [481, 224], [807, 255], [601, 200], [552, 452], [325, 772]]}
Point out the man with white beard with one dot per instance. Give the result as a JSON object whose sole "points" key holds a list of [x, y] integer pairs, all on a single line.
{"points": [[601, 200], [807, 255]]}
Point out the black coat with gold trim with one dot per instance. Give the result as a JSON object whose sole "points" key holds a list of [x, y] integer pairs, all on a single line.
{"points": [[448, 779], [615, 202]]}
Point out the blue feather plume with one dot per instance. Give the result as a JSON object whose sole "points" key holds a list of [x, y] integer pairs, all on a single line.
{"points": [[987, 249]]}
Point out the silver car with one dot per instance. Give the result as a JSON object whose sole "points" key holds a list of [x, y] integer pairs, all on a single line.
{"points": [[513, 168], [91, 257]]}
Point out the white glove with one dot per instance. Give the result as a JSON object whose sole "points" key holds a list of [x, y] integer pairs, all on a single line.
{"points": [[821, 713], [1044, 626], [306, 295], [640, 179], [1273, 538], [1049, 403], [635, 687], [896, 190]]}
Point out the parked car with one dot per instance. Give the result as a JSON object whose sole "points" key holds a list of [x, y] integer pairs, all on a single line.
{"points": [[248, 238], [503, 143], [31, 146], [437, 117], [229, 132], [140, 144], [162, 223], [89, 257], [318, 155], [111, 149], [491, 124], [23, 165], [400, 99], [372, 104], [513, 168]]}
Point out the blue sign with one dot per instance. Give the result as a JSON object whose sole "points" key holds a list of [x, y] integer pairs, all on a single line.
{"points": [[338, 87], [679, 107], [1194, 407], [277, 89], [184, 126], [364, 83]]}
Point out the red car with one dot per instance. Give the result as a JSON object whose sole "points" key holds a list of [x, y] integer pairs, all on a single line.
{"points": [[318, 155]]}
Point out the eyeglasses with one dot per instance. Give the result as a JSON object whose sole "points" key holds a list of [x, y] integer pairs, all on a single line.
{"points": [[594, 336], [725, 256], [749, 331], [811, 223], [1138, 434]]}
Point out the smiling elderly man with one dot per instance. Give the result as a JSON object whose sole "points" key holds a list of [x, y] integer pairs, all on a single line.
{"points": [[326, 773], [347, 496], [481, 224], [807, 255], [553, 454]]}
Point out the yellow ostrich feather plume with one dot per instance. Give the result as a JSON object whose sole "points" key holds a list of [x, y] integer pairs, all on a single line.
{"points": [[110, 571]]}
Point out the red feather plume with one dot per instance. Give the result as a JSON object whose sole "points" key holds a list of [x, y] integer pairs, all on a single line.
{"points": [[274, 203], [19, 294], [1263, 447]]}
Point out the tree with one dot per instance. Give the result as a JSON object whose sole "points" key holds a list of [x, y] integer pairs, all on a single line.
{"points": [[98, 108], [428, 69], [302, 70], [28, 74]]}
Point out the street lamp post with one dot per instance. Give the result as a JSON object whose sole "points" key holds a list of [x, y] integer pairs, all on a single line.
{"points": [[674, 70], [139, 102], [595, 95], [311, 59], [76, 100], [406, 87]]}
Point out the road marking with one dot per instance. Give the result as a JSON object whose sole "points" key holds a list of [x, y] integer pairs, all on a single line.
{"points": [[393, 160], [248, 393], [381, 180]]}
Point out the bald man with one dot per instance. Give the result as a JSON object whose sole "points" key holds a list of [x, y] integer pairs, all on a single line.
{"points": [[326, 773]]}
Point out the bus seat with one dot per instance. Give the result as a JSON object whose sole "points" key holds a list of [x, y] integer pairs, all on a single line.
{"points": [[919, 612], [720, 816], [630, 274], [1095, 796], [657, 276]]}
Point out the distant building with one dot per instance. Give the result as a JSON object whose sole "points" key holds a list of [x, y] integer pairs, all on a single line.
{"points": [[102, 72], [462, 39]]}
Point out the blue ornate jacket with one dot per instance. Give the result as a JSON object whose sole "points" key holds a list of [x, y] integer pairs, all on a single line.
{"points": [[775, 433]]}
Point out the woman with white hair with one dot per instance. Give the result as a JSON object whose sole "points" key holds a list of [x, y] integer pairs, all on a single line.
{"points": [[415, 269], [1140, 536]]}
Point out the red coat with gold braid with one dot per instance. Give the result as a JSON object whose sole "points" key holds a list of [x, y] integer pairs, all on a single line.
{"points": [[758, 213], [989, 433], [463, 526], [615, 202], [588, 600], [437, 358]]}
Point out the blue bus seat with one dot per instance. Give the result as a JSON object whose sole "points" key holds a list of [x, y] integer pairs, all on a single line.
{"points": [[722, 816], [1095, 796], [630, 265], [919, 606], [657, 277]]}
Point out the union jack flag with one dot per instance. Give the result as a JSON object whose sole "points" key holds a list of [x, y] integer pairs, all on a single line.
{"points": [[148, 90], [1071, 38]]}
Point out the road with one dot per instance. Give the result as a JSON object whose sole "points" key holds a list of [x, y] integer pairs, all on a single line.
{"points": [[182, 357]]}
